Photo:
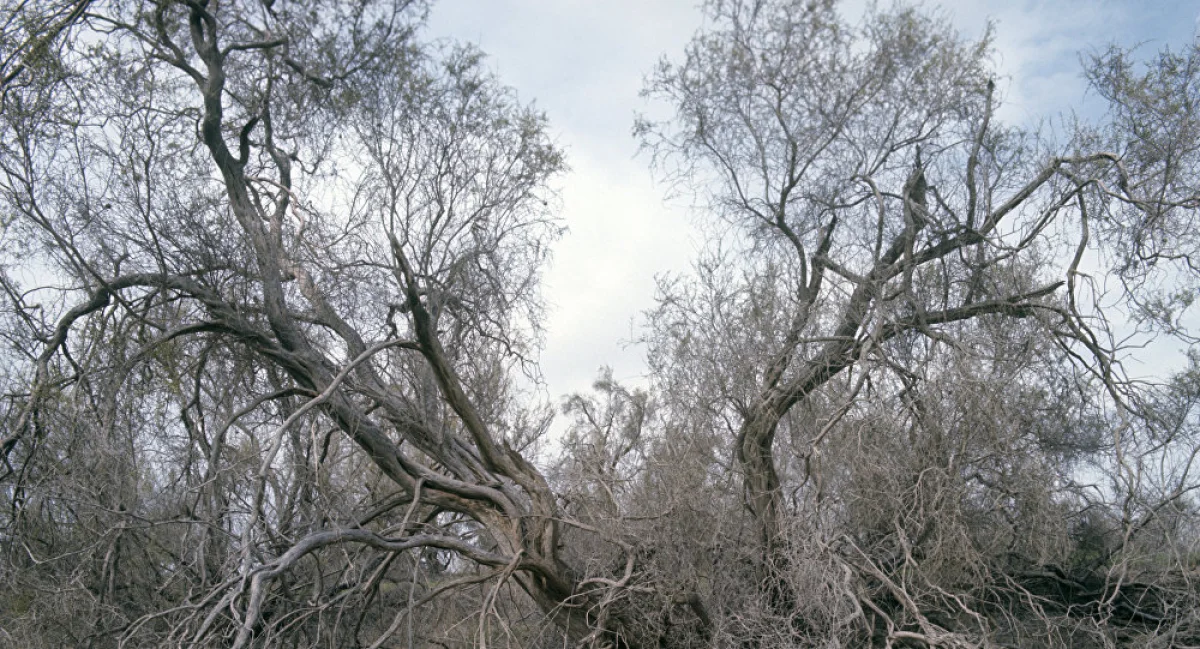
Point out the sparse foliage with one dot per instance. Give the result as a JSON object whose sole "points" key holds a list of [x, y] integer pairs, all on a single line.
{"points": [[270, 278]]}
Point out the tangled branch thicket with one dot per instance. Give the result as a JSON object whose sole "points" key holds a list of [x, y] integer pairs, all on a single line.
{"points": [[270, 298]]}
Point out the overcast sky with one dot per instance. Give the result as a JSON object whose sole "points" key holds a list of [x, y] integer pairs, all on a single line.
{"points": [[583, 61]]}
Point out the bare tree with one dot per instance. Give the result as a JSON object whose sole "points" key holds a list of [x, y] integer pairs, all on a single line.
{"points": [[271, 298], [29, 38], [280, 267], [900, 329]]}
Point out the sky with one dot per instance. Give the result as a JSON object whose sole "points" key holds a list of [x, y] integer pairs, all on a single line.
{"points": [[583, 63]]}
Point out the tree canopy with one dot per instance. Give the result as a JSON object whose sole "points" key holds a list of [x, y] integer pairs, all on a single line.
{"points": [[271, 304]]}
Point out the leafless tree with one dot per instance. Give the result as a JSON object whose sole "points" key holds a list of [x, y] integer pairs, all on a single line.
{"points": [[279, 266], [901, 328], [271, 304]]}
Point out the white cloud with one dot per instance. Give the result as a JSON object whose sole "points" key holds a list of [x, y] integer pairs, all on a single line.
{"points": [[584, 61]]}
